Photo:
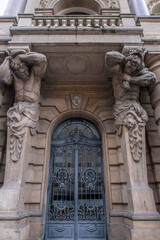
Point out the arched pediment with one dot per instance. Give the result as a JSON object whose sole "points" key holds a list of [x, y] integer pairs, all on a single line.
{"points": [[85, 6]]}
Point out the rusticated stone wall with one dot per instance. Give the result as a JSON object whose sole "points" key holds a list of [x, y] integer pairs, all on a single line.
{"points": [[100, 106], [153, 148], [6, 104]]}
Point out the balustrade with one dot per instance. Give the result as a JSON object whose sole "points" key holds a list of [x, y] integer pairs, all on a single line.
{"points": [[80, 22]]}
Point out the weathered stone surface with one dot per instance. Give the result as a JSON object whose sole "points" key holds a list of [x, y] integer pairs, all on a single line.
{"points": [[48, 113], [59, 103], [76, 68], [128, 74]]}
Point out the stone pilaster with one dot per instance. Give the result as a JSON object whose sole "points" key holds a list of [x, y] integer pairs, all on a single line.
{"points": [[140, 196], [12, 192], [153, 63], [138, 7], [30, 6]]}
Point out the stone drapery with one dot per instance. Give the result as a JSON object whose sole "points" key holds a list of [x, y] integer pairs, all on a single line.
{"points": [[134, 117], [21, 115]]}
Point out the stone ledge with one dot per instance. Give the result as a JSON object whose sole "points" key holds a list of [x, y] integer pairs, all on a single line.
{"points": [[86, 30], [8, 215], [136, 217]]}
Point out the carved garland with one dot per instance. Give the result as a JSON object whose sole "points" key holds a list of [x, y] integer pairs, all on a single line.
{"points": [[135, 135]]}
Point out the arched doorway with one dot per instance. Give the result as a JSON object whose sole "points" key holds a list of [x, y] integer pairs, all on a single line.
{"points": [[76, 200]]}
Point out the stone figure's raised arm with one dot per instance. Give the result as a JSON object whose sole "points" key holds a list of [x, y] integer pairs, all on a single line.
{"points": [[5, 76], [114, 58], [113, 61], [36, 60], [145, 78], [5, 72]]}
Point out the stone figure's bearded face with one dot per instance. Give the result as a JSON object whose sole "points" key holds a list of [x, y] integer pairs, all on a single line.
{"points": [[133, 64], [19, 68]]}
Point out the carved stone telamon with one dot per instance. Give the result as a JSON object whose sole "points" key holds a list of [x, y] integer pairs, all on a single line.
{"points": [[128, 75], [26, 71]]}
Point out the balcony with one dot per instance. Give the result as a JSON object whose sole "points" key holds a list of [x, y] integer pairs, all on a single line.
{"points": [[110, 28]]}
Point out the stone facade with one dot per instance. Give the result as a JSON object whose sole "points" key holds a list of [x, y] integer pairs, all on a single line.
{"points": [[53, 68]]}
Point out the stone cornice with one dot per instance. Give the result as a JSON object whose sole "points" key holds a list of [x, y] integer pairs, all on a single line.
{"points": [[8, 19], [44, 29]]}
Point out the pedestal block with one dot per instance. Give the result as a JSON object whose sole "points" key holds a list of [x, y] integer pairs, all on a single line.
{"points": [[140, 196], [142, 229], [14, 224]]}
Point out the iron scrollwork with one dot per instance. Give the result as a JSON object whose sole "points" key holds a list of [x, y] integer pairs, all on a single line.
{"points": [[62, 178], [89, 177], [76, 151]]}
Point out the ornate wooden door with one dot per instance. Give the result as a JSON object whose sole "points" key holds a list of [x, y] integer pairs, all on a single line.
{"points": [[76, 201]]}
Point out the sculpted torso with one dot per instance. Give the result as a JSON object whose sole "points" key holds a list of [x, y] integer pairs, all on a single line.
{"points": [[120, 92], [128, 75], [26, 71], [27, 90]]}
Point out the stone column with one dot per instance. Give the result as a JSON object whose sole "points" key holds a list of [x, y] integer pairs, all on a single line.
{"points": [[128, 75], [138, 7], [140, 195], [22, 119], [15, 7], [153, 63], [124, 6]]}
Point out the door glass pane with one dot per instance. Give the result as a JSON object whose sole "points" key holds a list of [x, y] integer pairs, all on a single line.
{"points": [[62, 186], [90, 196]]}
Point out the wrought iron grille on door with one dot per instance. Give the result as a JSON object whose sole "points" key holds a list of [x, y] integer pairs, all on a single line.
{"points": [[76, 204]]}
